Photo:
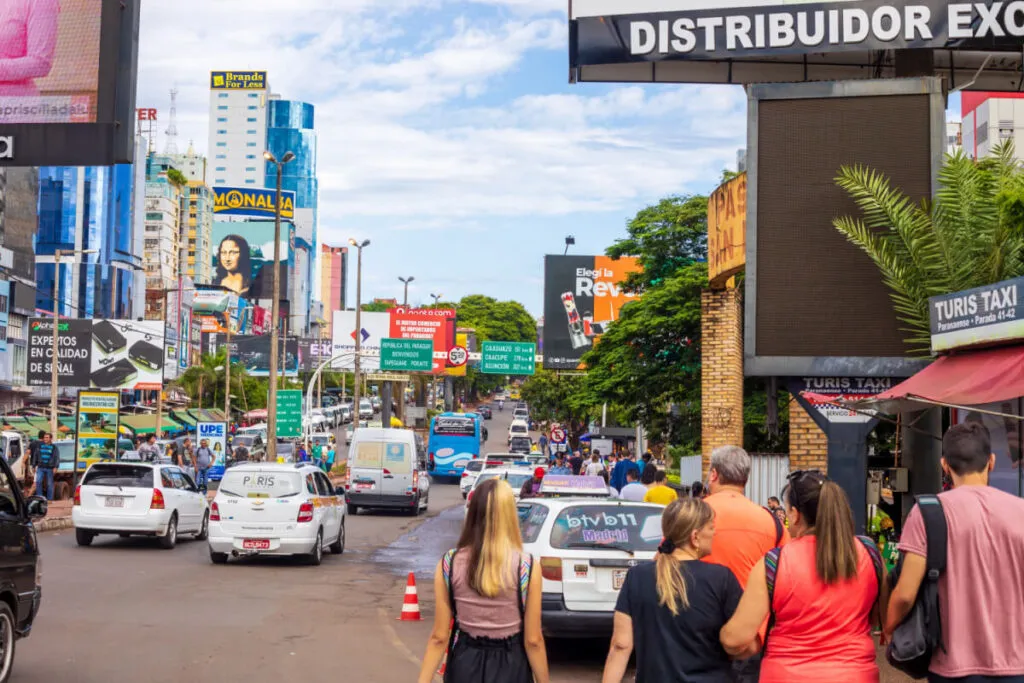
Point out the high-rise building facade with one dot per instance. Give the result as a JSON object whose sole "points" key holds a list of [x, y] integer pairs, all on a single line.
{"points": [[333, 272], [167, 219], [198, 249], [19, 188], [989, 118], [238, 128]]}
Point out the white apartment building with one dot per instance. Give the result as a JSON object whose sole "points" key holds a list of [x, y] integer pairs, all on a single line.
{"points": [[238, 128], [990, 118], [166, 207]]}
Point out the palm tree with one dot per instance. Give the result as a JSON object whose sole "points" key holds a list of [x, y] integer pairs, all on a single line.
{"points": [[970, 236], [198, 378]]}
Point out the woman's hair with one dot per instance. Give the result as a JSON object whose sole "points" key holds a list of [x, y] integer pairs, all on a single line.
{"points": [[491, 534], [697, 489], [593, 458], [648, 475], [826, 511], [681, 518], [244, 260]]}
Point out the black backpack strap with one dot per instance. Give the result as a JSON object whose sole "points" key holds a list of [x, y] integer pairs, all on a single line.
{"points": [[771, 571], [879, 565], [936, 535], [779, 529]]}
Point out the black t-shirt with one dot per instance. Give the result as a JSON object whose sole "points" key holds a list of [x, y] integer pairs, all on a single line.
{"points": [[684, 648]]}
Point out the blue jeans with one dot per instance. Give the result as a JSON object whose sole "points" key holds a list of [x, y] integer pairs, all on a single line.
{"points": [[44, 475], [201, 477]]}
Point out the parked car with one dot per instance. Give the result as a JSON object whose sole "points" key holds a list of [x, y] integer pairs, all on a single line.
{"points": [[520, 444], [252, 442], [365, 409], [138, 499]]}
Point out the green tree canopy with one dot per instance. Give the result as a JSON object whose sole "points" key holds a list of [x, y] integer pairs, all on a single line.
{"points": [[376, 307], [495, 320]]}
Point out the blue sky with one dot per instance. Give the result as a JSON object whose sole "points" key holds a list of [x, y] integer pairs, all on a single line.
{"points": [[448, 132]]}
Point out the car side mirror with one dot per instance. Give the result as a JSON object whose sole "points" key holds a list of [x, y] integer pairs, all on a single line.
{"points": [[36, 507], [340, 491]]}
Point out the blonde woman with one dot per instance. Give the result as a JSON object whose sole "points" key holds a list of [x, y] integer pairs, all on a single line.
{"points": [[488, 600], [672, 610]]}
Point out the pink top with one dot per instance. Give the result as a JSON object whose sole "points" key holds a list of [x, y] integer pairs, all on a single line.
{"points": [[821, 633], [981, 594], [483, 617], [28, 37]]}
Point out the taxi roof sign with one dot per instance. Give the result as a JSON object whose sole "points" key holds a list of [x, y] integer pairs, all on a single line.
{"points": [[573, 485]]}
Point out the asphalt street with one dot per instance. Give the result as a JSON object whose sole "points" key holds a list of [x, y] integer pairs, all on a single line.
{"points": [[125, 610]]}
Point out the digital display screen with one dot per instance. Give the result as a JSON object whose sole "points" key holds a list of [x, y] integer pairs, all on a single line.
{"points": [[49, 61], [454, 426]]}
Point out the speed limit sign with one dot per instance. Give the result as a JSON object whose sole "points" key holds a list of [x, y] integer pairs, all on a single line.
{"points": [[457, 356]]}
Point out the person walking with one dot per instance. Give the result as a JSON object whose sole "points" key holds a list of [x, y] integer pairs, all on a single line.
{"points": [[660, 493], [543, 442], [595, 466], [331, 455], [203, 461], [576, 462], [633, 490], [822, 591], [744, 531], [618, 476], [46, 463], [488, 600], [318, 455], [671, 610], [981, 592], [187, 458]]}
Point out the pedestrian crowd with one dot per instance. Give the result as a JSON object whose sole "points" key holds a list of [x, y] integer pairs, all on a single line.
{"points": [[741, 593]]}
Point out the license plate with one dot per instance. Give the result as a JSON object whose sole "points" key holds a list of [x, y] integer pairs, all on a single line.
{"points": [[460, 463], [364, 487], [114, 502], [618, 578], [256, 544]]}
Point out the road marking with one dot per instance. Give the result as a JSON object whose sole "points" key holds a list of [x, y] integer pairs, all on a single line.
{"points": [[396, 642]]}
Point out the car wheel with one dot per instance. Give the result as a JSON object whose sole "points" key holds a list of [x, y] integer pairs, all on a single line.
{"points": [[352, 509], [204, 530], [465, 494], [170, 537], [7, 641], [83, 538], [316, 555], [218, 558], [338, 547]]}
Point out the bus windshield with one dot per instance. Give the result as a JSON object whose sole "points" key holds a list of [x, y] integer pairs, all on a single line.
{"points": [[454, 441]]}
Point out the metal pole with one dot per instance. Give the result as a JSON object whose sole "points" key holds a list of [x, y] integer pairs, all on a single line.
{"points": [[274, 315], [54, 347], [405, 297], [359, 334], [227, 370]]}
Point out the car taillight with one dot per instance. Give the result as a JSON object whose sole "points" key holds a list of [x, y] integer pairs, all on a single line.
{"points": [[158, 500], [305, 513], [551, 568], [214, 513], [78, 495], [465, 473]]}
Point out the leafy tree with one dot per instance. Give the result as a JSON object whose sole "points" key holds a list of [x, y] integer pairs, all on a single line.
{"points": [[176, 177], [970, 236], [558, 398], [492, 320], [376, 307]]}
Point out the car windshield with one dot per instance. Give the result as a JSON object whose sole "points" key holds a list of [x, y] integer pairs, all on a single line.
{"points": [[260, 483], [634, 528], [132, 476], [474, 465], [515, 480]]}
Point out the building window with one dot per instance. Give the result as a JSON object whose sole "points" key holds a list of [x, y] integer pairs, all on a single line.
{"points": [[222, 95], [153, 217], [251, 119], [222, 107], [3, 309], [253, 107], [250, 144], [253, 95], [250, 156], [247, 182], [251, 131], [222, 132], [222, 119], [222, 156], [249, 169], [221, 168], [219, 181]]}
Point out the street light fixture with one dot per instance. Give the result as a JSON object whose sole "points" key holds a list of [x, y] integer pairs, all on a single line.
{"points": [[57, 254], [436, 298], [359, 325], [570, 240], [275, 311], [405, 281]]}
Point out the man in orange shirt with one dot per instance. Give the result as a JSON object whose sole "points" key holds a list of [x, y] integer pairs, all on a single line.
{"points": [[744, 531]]}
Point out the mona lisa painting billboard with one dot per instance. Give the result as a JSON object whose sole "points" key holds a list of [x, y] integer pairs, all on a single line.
{"points": [[243, 257]]}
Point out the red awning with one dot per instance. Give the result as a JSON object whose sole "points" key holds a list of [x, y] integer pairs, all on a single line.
{"points": [[971, 378]]}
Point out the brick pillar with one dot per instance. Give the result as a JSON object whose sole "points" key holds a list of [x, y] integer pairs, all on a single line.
{"points": [[721, 370], [808, 445]]}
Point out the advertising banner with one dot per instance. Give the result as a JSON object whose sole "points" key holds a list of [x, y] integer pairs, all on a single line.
{"points": [[210, 301], [238, 80], [374, 327], [582, 296], [215, 434], [96, 436], [437, 324], [313, 352], [616, 31], [105, 354], [973, 317], [5, 302], [823, 391], [727, 231], [244, 254], [259, 203], [253, 352]]}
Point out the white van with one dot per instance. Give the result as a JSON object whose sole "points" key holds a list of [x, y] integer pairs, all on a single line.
{"points": [[518, 428], [387, 469]]}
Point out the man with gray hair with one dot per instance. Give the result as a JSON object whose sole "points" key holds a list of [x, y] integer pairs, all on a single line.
{"points": [[744, 531]]}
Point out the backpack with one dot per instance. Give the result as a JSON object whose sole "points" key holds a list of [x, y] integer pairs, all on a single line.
{"points": [[919, 635], [771, 569], [779, 529]]}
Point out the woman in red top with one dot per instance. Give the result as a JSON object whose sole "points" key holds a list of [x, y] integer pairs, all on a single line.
{"points": [[820, 591]]}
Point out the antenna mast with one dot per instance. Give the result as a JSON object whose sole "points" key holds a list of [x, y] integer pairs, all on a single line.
{"points": [[172, 126]]}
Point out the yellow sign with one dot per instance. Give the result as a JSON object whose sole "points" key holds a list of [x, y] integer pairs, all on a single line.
{"points": [[727, 231], [240, 201], [238, 80], [461, 339]]}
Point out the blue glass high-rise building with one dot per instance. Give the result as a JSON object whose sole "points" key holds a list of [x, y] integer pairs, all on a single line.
{"points": [[290, 128], [83, 208]]}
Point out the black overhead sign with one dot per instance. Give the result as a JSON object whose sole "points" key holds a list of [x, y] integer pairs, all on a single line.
{"points": [[616, 31]]}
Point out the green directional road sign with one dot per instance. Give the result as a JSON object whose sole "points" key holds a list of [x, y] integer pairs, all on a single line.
{"points": [[406, 355], [289, 413], [508, 358]]}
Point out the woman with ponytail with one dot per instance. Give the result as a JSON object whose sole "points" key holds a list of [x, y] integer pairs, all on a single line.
{"points": [[671, 610], [821, 593]]}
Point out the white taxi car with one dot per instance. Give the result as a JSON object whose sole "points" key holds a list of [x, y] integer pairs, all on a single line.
{"points": [[138, 498], [276, 509], [584, 546], [515, 476]]}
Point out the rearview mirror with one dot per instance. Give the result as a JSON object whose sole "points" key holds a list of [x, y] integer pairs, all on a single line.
{"points": [[36, 507]]}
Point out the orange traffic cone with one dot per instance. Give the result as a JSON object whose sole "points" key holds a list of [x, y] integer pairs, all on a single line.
{"points": [[411, 603]]}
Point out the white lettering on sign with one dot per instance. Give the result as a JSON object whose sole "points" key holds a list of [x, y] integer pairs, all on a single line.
{"points": [[7, 147]]}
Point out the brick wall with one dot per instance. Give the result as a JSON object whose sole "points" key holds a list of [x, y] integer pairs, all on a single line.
{"points": [[721, 371], [808, 445]]}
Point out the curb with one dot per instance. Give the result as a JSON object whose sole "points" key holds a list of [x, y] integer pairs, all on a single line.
{"points": [[54, 524]]}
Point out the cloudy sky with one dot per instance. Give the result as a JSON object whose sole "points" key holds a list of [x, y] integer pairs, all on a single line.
{"points": [[448, 132]]}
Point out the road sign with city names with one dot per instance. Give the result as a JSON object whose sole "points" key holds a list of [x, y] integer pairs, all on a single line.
{"points": [[407, 355], [289, 413], [508, 358]]}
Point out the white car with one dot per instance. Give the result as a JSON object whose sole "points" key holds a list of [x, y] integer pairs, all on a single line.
{"points": [[518, 428], [138, 499], [352, 428], [276, 509], [515, 476], [469, 475], [584, 547]]}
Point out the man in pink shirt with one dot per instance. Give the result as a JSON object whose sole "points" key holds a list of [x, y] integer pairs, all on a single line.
{"points": [[981, 593]]}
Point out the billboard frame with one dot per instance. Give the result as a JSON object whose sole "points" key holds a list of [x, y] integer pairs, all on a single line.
{"points": [[755, 365]]}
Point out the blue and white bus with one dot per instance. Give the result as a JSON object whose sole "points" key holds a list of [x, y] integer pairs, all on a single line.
{"points": [[454, 441]]}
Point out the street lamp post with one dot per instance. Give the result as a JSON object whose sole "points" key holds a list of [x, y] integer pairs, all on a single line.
{"points": [[433, 391], [405, 281], [359, 325], [275, 312], [57, 254]]}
